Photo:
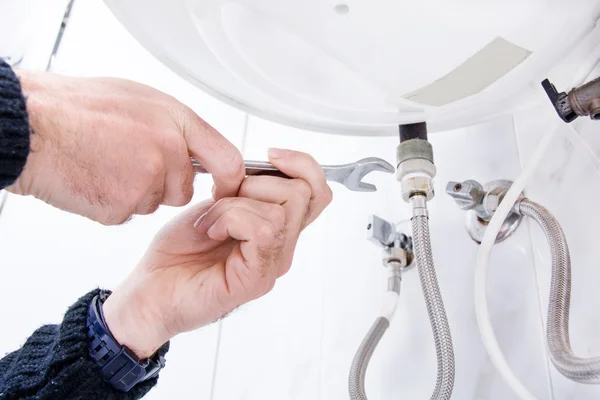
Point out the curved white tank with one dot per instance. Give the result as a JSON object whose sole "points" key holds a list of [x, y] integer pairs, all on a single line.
{"points": [[364, 66]]}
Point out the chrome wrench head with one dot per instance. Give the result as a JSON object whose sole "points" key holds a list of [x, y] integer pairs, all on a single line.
{"points": [[351, 175]]}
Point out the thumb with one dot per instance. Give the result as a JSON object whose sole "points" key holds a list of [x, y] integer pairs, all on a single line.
{"points": [[218, 155]]}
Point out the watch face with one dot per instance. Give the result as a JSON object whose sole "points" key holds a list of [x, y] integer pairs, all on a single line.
{"points": [[364, 67]]}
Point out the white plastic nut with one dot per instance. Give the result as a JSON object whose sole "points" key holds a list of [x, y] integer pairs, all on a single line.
{"points": [[415, 166]]}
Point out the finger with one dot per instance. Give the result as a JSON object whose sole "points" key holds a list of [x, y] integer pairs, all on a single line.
{"points": [[153, 197], [260, 247], [182, 228], [271, 212], [180, 174], [188, 218], [292, 194], [179, 184], [303, 166], [215, 153]]}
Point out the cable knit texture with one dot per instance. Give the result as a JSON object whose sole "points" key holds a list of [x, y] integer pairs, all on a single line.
{"points": [[14, 127], [55, 364]]}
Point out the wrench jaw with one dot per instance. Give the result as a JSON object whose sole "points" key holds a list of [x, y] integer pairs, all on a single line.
{"points": [[365, 187], [363, 168]]}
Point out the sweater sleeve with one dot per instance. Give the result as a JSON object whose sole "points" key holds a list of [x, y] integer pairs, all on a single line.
{"points": [[55, 364], [14, 127]]}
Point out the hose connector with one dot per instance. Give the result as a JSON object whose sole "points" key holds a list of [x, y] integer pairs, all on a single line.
{"points": [[416, 169]]}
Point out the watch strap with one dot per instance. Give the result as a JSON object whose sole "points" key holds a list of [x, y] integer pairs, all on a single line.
{"points": [[119, 366]]}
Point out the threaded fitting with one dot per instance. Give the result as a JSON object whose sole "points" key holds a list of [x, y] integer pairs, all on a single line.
{"points": [[415, 168]]}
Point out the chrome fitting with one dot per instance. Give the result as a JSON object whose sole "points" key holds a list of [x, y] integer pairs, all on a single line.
{"points": [[481, 203], [397, 247], [417, 185], [415, 168], [419, 206]]}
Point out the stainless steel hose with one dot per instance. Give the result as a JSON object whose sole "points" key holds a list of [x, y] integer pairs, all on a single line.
{"points": [[584, 370], [360, 363], [433, 300], [435, 309], [358, 371]]}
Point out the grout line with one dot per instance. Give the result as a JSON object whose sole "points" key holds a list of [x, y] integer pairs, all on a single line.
{"points": [[61, 32], [3, 200], [536, 276], [216, 363], [220, 329]]}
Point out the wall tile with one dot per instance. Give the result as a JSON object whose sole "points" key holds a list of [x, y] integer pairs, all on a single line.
{"points": [[28, 30]]}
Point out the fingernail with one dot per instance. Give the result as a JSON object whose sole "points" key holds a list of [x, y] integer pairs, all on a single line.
{"points": [[278, 153], [214, 192], [199, 221]]}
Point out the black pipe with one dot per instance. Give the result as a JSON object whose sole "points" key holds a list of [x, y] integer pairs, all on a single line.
{"points": [[413, 131]]}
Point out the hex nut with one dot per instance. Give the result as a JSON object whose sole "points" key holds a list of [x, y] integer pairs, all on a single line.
{"points": [[417, 184], [492, 200]]}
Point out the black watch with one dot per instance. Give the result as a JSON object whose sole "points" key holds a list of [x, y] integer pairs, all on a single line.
{"points": [[118, 365]]}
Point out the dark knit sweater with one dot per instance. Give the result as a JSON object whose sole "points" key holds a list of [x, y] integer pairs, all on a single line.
{"points": [[54, 363], [14, 127]]}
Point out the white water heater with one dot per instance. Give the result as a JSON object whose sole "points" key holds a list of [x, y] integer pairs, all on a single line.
{"points": [[365, 66]]}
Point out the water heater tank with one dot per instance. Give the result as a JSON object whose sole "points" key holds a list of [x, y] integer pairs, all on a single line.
{"points": [[363, 66]]}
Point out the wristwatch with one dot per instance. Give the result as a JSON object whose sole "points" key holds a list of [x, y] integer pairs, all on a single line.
{"points": [[118, 365]]}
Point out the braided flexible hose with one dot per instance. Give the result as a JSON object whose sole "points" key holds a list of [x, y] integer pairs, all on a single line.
{"points": [[583, 370], [360, 363], [435, 308], [358, 370]]}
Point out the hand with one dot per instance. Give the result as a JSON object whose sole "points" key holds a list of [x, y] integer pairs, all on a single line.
{"points": [[110, 148], [217, 256]]}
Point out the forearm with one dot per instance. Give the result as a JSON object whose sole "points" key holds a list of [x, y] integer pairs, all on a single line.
{"points": [[14, 127], [55, 364]]}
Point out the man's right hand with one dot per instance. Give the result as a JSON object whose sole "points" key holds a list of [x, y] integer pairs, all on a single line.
{"points": [[110, 148]]}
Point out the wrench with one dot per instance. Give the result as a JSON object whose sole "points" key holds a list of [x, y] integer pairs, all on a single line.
{"points": [[349, 175]]}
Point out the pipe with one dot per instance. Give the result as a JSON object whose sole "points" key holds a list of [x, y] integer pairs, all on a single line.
{"points": [[415, 172], [583, 370], [433, 300], [360, 363], [585, 100], [435, 308], [358, 371], [413, 131]]}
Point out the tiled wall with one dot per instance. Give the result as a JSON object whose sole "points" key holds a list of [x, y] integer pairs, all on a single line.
{"points": [[305, 333], [298, 342]]}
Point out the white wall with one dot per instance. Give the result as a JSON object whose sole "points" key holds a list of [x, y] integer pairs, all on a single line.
{"points": [[298, 342]]}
